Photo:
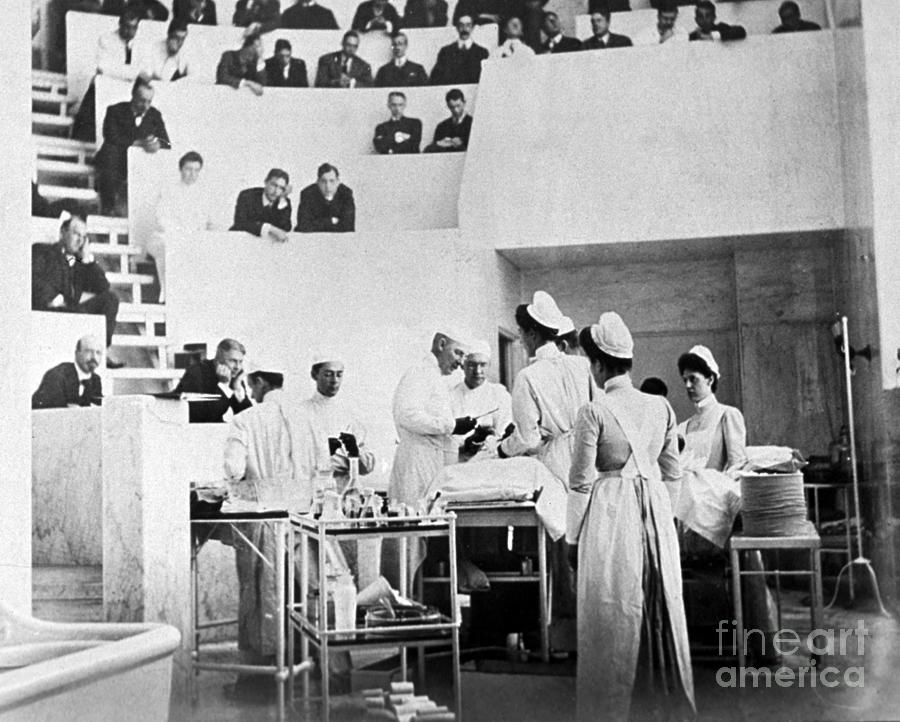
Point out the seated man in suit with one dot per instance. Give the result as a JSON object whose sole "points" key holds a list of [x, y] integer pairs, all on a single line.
{"points": [[284, 71], [222, 377], [266, 211], [197, 12], [264, 15], [165, 59], [791, 22], [344, 69], [400, 72], [459, 62], [326, 206], [132, 122], [556, 42], [308, 15], [238, 68], [666, 29], [65, 277], [602, 37], [399, 134], [452, 134], [425, 14], [376, 15], [73, 384], [709, 29]]}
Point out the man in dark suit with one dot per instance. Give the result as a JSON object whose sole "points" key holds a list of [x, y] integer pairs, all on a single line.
{"points": [[326, 206], [146, 9], [453, 133], [223, 377], [344, 69], [283, 71], [133, 122], [399, 134], [483, 12], [65, 277], [238, 68], [459, 62], [266, 211], [266, 14], [400, 72], [376, 15], [425, 14], [73, 384], [791, 22], [707, 27], [308, 15], [602, 37], [196, 12], [556, 42]]}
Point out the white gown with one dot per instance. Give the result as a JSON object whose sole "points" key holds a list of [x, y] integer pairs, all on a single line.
{"points": [[478, 402]]}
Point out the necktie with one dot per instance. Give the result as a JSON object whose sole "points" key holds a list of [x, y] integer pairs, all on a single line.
{"points": [[83, 399], [127, 55], [347, 66]]}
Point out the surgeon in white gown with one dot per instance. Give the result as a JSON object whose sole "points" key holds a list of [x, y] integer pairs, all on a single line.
{"points": [[633, 652]]}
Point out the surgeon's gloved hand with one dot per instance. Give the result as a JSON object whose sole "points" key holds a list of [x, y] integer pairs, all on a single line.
{"points": [[472, 445], [350, 444], [464, 424], [333, 445], [481, 433], [507, 432]]}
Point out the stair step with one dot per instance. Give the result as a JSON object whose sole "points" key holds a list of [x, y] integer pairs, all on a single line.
{"points": [[74, 610], [147, 313], [144, 373], [56, 147], [51, 120], [128, 279], [122, 339], [87, 195], [58, 583], [48, 97], [62, 167], [108, 249], [44, 79]]}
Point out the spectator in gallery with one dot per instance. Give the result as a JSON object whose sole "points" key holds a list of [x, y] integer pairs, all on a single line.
{"points": [[399, 134], [262, 15], [459, 62], [71, 384], [666, 29], [556, 42], [602, 37], [65, 278], [514, 46], [240, 68], [425, 14], [266, 211], [326, 206], [182, 208], [791, 22], [221, 377], [531, 13], [145, 9], [132, 122], [165, 59], [707, 27], [283, 70], [308, 15], [344, 69], [195, 12], [482, 12], [452, 134], [400, 72], [376, 15]]}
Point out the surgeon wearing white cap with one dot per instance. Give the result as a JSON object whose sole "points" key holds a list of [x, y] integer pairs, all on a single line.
{"points": [[484, 400], [327, 429], [546, 397], [258, 449], [632, 635]]}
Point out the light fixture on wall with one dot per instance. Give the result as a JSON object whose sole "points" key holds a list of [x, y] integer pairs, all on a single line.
{"points": [[840, 333]]}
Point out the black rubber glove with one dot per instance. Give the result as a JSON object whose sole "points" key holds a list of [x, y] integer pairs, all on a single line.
{"points": [[333, 445], [464, 424], [507, 432], [480, 434], [349, 441], [572, 554], [472, 446]]}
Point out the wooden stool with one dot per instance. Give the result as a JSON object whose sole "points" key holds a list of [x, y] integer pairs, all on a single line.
{"points": [[810, 542]]}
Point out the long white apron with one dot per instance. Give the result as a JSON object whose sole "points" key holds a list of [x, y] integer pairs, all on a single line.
{"points": [[628, 511]]}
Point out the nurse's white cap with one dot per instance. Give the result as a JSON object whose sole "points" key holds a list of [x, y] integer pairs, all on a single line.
{"points": [[566, 326], [612, 336], [707, 356], [544, 310], [479, 348]]}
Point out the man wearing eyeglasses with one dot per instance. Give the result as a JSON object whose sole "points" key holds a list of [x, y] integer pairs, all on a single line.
{"points": [[266, 211]]}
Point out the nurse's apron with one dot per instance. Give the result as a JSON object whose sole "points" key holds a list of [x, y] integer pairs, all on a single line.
{"points": [[629, 559]]}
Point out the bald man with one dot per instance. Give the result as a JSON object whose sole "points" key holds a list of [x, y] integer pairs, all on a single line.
{"points": [[73, 384]]}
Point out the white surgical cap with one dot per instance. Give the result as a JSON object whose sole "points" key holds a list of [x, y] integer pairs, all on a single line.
{"points": [[256, 365], [566, 326], [544, 310], [479, 347], [707, 356], [326, 357], [456, 334], [612, 336]]}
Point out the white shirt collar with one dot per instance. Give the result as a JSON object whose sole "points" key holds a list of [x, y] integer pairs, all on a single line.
{"points": [[400, 62], [464, 44], [555, 39], [82, 376], [604, 38], [548, 351], [708, 401], [318, 398]]}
